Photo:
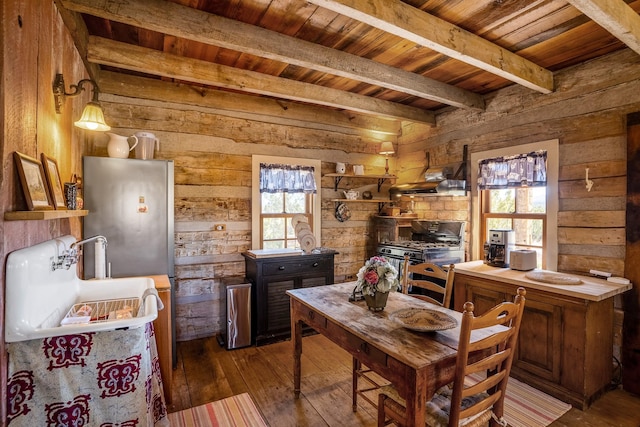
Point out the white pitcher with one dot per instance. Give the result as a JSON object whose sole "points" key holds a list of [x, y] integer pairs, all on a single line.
{"points": [[118, 145], [148, 142]]}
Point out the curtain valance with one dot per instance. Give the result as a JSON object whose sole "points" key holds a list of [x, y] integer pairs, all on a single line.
{"points": [[276, 178], [522, 170]]}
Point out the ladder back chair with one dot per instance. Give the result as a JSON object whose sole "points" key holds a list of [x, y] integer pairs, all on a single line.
{"points": [[428, 271], [434, 279], [473, 399]]}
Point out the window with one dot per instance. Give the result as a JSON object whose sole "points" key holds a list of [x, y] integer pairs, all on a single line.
{"points": [[530, 210], [513, 197], [522, 210], [283, 188], [277, 211]]}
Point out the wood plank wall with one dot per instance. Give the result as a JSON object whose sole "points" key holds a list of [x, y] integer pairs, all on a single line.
{"points": [[36, 46], [212, 152], [212, 149], [587, 113]]}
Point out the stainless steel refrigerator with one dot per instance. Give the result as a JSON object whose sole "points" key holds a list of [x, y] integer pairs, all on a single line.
{"points": [[130, 202]]}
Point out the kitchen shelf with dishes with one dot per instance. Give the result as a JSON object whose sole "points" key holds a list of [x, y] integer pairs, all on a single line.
{"points": [[338, 177], [43, 215]]}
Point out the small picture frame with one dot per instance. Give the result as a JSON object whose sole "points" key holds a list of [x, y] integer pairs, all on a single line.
{"points": [[52, 173], [34, 184]]}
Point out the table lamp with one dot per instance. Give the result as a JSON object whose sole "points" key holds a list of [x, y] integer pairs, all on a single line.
{"points": [[386, 148]]}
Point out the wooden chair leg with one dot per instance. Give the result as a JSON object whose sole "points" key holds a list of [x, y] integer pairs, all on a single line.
{"points": [[354, 392], [381, 416]]}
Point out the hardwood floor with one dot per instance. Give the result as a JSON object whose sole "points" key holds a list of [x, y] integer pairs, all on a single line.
{"points": [[207, 372]]}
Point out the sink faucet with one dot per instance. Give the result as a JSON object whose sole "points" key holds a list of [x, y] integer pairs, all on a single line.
{"points": [[100, 254]]}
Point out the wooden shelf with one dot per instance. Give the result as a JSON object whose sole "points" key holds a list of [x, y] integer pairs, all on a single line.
{"points": [[338, 177], [361, 200], [380, 202], [350, 175], [43, 215]]}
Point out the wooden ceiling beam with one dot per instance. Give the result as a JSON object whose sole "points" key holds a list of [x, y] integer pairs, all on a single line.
{"points": [[258, 108], [181, 21], [123, 55], [615, 16], [408, 22]]}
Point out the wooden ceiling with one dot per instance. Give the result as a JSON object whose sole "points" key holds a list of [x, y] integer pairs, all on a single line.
{"points": [[402, 60]]}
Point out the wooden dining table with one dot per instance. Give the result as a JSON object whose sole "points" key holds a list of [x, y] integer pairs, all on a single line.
{"points": [[416, 363]]}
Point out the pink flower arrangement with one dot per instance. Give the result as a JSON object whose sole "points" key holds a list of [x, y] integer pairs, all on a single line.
{"points": [[377, 275]]}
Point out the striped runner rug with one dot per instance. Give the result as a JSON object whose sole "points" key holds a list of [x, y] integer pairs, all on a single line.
{"points": [[525, 406], [234, 411]]}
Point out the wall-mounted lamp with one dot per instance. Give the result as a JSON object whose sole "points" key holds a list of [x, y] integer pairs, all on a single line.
{"points": [[386, 149], [92, 116]]}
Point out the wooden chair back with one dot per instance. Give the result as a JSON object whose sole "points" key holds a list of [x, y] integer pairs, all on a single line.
{"points": [[485, 353], [499, 349], [433, 278]]}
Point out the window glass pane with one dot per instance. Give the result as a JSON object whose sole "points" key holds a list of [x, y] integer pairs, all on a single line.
{"points": [[273, 244], [292, 244], [272, 202], [295, 203], [273, 228], [531, 200], [502, 201], [290, 230], [499, 224], [528, 232]]}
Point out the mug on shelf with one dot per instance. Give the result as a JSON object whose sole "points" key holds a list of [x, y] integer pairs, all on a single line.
{"points": [[358, 169], [341, 167]]}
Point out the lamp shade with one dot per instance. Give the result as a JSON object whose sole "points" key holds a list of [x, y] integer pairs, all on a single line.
{"points": [[386, 148], [93, 118]]}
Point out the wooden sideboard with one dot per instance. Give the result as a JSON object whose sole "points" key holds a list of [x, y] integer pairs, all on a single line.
{"points": [[164, 338], [271, 277], [565, 346]]}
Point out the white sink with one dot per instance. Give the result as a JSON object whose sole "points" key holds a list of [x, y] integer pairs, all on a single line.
{"points": [[38, 297]]}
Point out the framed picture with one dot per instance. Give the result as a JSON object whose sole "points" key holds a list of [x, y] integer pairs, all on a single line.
{"points": [[52, 174], [33, 182]]}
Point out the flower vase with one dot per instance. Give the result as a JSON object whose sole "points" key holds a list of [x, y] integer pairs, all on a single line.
{"points": [[377, 301]]}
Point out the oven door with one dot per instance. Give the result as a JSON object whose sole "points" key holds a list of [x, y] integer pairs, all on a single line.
{"points": [[445, 258]]}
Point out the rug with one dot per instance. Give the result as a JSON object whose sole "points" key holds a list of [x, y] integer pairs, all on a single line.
{"points": [[525, 406], [234, 411]]}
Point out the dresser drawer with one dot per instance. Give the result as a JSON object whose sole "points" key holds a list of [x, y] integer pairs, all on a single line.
{"points": [[306, 267], [365, 352]]}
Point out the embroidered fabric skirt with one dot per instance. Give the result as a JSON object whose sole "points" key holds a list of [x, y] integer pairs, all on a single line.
{"points": [[104, 378]]}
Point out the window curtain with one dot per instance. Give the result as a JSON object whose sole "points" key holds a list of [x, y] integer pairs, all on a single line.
{"points": [[522, 170], [287, 179]]}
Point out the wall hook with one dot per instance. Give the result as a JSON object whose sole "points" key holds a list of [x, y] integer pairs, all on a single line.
{"points": [[588, 182]]}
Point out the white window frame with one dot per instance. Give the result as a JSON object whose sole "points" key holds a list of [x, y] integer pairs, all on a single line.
{"points": [[256, 205], [553, 167]]}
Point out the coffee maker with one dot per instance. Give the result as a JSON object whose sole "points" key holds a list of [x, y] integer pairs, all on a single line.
{"points": [[496, 250]]}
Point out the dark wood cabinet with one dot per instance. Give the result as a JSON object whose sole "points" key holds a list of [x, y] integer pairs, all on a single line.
{"points": [[565, 346], [270, 279]]}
